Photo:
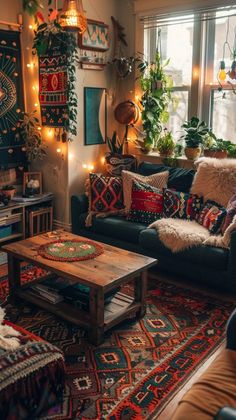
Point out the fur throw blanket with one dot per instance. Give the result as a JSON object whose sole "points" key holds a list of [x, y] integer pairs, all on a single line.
{"points": [[178, 235], [215, 179], [8, 336]]}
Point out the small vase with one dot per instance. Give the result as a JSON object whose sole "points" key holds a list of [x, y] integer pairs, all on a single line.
{"points": [[192, 153]]}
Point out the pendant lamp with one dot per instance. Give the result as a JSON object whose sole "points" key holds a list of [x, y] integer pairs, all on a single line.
{"points": [[72, 16]]}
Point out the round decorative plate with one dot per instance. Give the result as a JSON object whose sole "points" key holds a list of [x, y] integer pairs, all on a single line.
{"points": [[70, 250]]}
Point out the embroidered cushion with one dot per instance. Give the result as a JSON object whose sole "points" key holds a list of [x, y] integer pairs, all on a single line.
{"points": [[158, 180], [106, 193], [212, 216], [147, 203], [181, 205], [231, 212]]}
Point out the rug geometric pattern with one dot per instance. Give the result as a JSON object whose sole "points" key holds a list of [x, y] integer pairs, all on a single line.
{"points": [[140, 365]]}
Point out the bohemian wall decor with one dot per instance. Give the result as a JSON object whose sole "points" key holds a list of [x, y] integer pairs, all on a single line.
{"points": [[95, 105], [57, 54], [12, 152], [93, 44]]}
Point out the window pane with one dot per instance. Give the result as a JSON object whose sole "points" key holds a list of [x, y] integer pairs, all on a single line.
{"points": [[176, 45], [220, 38], [223, 115], [178, 113]]}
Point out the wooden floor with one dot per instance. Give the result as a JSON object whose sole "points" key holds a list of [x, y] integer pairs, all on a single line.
{"points": [[168, 411]]}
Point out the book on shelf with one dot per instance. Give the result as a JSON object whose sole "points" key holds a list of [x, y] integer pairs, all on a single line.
{"points": [[45, 293], [38, 197]]}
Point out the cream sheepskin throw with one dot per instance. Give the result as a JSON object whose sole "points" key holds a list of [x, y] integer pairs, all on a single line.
{"points": [[178, 234], [215, 179], [8, 340]]}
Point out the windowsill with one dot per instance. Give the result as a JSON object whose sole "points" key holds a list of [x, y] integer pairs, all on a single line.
{"points": [[154, 157]]}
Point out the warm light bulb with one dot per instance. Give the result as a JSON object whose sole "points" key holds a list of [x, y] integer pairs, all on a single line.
{"points": [[58, 150], [84, 166], [30, 65], [39, 128], [222, 75], [91, 167], [103, 160], [36, 104], [30, 26], [71, 156], [50, 132]]}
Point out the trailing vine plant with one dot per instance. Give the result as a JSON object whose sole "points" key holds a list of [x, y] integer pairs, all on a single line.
{"points": [[51, 38]]}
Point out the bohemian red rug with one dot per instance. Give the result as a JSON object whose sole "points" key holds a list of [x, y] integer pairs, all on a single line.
{"points": [[141, 365]]}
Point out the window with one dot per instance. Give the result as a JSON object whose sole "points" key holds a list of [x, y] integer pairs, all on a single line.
{"points": [[195, 45]]}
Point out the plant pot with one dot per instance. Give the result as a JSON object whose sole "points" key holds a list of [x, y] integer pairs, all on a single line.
{"points": [[116, 163], [219, 154], [8, 193], [147, 149], [192, 153]]}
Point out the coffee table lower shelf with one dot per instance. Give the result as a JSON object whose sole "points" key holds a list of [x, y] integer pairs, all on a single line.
{"points": [[121, 307]]}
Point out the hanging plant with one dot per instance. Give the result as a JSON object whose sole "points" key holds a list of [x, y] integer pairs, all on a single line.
{"points": [[29, 131], [51, 39]]}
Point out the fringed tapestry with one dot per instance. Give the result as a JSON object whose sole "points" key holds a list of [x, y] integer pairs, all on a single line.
{"points": [[53, 90], [12, 153]]}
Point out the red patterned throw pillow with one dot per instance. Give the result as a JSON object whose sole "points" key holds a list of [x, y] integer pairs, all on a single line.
{"points": [[181, 205], [212, 216], [105, 196], [147, 203]]}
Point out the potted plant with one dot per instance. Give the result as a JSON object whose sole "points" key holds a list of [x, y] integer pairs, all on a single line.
{"points": [[217, 148], [115, 160], [166, 144], [157, 87], [195, 131], [8, 191]]}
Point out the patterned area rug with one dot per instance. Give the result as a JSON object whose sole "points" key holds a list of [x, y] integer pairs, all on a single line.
{"points": [[141, 365]]}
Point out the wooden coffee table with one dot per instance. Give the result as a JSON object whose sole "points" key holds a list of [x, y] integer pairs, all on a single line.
{"points": [[115, 267]]}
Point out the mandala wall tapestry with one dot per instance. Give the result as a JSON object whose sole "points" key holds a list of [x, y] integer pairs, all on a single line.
{"points": [[53, 90], [12, 153]]}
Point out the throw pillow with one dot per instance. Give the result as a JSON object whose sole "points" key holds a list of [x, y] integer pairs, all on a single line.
{"points": [[147, 203], [215, 179], [158, 180], [212, 216], [230, 213], [181, 205], [105, 197]]}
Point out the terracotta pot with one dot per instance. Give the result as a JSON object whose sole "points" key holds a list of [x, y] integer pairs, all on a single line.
{"points": [[146, 149], [219, 154], [192, 153], [167, 154], [8, 193]]}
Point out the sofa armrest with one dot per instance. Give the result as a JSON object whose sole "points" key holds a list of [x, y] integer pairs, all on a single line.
{"points": [[79, 205], [232, 255], [226, 413]]}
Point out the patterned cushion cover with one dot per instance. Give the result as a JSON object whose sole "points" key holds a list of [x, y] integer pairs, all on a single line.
{"points": [[212, 216], [158, 180], [231, 212], [106, 193], [181, 205], [147, 203]]}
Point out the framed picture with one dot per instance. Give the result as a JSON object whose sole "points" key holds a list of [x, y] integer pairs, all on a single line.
{"points": [[32, 184], [95, 115], [96, 36]]}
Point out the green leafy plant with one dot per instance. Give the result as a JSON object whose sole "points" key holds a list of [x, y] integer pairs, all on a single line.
{"points": [[50, 38], [232, 150], [220, 145], [114, 144], [166, 144], [195, 131], [30, 133], [157, 87]]}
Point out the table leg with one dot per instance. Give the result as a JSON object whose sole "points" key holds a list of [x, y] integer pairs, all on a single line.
{"points": [[96, 309], [141, 292], [13, 274]]}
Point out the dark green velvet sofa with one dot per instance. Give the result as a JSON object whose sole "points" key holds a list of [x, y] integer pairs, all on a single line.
{"points": [[202, 264]]}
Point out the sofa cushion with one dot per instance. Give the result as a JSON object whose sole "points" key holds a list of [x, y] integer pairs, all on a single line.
{"points": [[181, 205], [180, 179], [212, 216], [147, 203], [116, 227], [216, 258]]}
